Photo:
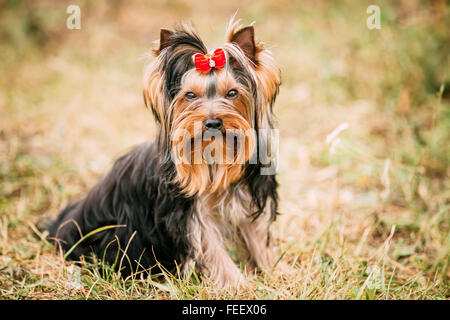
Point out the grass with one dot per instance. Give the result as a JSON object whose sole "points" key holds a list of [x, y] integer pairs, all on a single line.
{"points": [[365, 213]]}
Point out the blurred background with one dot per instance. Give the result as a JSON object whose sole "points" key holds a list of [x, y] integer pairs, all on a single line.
{"points": [[364, 118]]}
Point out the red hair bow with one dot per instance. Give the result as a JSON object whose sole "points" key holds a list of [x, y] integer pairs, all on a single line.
{"points": [[205, 62]]}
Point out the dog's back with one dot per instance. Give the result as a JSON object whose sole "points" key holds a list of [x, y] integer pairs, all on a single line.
{"points": [[133, 198]]}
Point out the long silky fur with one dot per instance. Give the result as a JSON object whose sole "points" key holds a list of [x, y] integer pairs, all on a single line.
{"points": [[139, 193]]}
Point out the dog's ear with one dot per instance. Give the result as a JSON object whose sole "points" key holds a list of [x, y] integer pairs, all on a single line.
{"points": [[265, 70], [245, 39], [164, 40]]}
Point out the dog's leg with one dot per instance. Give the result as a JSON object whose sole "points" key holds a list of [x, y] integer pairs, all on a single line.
{"points": [[257, 247], [255, 238], [211, 256]]}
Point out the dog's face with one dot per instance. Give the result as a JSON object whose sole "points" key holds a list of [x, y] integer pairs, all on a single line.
{"points": [[209, 118]]}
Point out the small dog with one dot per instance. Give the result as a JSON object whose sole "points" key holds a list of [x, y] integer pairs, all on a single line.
{"points": [[170, 210]]}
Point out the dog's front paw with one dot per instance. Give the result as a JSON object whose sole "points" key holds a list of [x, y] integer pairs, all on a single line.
{"points": [[284, 269], [233, 281]]}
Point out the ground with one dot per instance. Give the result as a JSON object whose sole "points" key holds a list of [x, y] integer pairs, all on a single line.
{"points": [[364, 118]]}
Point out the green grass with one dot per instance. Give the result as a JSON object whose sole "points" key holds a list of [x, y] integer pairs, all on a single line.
{"points": [[364, 216]]}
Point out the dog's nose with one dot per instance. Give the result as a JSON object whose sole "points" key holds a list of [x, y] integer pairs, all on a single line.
{"points": [[213, 123]]}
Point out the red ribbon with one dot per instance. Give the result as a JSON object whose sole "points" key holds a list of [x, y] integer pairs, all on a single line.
{"points": [[205, 62]]}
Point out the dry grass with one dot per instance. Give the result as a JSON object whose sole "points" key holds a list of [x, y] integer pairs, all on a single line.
{"points": [[365, 216]]}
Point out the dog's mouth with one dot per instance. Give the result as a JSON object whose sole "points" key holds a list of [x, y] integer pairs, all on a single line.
{"points": [[214, 130], [214, 147]]}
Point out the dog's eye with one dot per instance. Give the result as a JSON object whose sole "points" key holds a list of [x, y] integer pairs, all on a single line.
{"points": [[232, 94], [190, 96]]}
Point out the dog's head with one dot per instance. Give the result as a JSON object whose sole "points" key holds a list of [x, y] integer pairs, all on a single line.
{"points": [[210, 104]]}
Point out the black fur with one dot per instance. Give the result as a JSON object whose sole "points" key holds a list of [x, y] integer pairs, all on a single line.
{"points": [[134, 194], [175, 65]]}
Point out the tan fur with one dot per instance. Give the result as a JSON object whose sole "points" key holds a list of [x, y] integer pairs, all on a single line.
{"points": [[226, 217], [236, 116]]}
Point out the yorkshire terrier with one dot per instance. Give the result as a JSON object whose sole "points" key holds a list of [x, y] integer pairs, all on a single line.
{"points": [[206, 181]]}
